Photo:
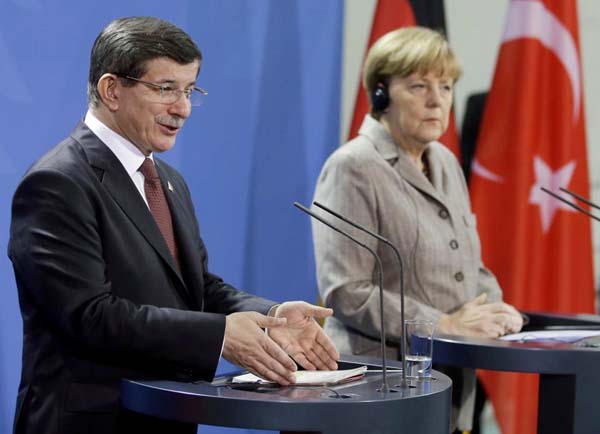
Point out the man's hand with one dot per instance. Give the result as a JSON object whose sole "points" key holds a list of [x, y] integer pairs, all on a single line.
{"points": [[248, 346], [302, 338], [476, 318]]}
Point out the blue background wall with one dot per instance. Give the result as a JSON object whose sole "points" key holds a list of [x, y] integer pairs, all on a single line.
{"points": [[272, 69]]}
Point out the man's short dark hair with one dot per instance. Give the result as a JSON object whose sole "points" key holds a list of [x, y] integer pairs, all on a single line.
{"points": [[127, 44]]}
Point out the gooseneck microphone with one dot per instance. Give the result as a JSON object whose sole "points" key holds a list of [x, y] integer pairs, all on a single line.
{"points": [[384, 386], [574, 205], [581, 198], [404, 383]]}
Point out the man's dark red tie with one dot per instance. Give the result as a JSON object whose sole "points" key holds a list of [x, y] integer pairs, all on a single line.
{"points": [[159, 207]]}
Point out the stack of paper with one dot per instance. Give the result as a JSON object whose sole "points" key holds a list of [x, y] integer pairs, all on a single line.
{"points": [[567, 336], [310, 378]]}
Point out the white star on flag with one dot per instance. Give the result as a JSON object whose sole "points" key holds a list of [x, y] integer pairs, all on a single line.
{"points": [[545, 177]]}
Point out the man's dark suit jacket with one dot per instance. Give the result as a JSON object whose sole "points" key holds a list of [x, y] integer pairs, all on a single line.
{"points": [[101, 296]]}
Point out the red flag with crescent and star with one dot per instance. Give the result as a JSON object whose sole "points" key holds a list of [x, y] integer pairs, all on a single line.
{"points": [[533, 135], [390, 15]]}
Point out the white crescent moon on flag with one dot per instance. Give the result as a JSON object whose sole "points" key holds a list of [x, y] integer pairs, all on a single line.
{"points": [[477, 168], [531, 19]]}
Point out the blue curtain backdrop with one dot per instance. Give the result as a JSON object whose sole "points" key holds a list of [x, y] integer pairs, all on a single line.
{"points": [[272, 69]]}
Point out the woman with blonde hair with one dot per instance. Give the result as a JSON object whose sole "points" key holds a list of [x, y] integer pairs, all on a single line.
{"points": [[398, 180]]}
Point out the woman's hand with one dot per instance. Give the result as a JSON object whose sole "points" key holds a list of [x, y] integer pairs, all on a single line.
{"points": [[476, 318]]}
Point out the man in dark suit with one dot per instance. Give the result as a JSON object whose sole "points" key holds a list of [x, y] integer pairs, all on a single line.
{"points": [[109, 263]]}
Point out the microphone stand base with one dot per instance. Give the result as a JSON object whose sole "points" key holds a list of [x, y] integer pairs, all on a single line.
{"points": [[404, 384], [385, 389]]}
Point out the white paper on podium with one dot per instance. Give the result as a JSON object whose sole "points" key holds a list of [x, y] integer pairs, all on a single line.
{"points": [[567, 336], [310, 378]]}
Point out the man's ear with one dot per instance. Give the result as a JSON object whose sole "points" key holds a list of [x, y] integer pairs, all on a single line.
{"points": [[109, 90]]}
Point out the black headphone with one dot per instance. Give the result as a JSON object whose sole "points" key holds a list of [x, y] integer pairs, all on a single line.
{"points": [[380, 97]]}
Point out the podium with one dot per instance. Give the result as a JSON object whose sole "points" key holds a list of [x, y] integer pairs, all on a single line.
{"points": [[357, 407], [569, 373]]}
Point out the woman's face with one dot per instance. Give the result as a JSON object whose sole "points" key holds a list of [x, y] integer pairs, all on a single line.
{"points": [[419, 108]]}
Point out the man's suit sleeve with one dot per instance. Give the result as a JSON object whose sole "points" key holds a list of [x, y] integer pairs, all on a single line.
{"points": [[57, 254]]}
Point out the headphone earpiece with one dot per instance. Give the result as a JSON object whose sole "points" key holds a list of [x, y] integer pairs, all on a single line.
{"points": [[380, 98]]}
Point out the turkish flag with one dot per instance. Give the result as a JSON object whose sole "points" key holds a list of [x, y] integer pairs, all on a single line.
{"points": [[390, 15], [533, 135]]}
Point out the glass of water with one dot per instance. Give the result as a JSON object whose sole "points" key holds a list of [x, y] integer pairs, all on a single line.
{"points": [[419, 347]]}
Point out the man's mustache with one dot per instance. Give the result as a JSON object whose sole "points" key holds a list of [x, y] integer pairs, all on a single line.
{"points": [[171, 121]]}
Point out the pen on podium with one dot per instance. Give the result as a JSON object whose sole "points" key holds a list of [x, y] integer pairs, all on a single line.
{"points": [[384, 240], [384, 386]]}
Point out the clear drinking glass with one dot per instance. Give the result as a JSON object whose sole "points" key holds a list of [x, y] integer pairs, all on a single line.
{"points": [[419, 347]]}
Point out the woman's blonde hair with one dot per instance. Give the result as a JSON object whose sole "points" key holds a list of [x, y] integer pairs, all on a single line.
{"points": [[405, 51]]}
